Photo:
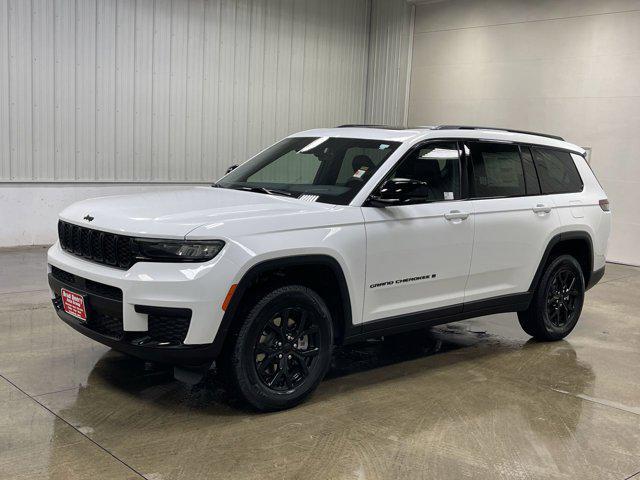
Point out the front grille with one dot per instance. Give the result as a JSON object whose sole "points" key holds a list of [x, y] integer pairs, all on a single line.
{"points": [[168, 329], [100, 247], [87, 285]]}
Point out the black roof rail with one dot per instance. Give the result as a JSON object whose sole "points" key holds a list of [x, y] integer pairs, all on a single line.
{"points": [[468, 127], [364, 125]]}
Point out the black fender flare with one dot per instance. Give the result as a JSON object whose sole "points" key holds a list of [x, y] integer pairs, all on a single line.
{"points": [[571, 235], [282, 262]]}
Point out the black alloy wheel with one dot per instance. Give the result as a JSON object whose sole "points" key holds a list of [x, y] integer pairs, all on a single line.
{"points": [[286, 350], [563, 297], [557, 301], [281, 349]]}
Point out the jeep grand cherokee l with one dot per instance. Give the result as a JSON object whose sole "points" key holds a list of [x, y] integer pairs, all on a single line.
{"points": [[331, 236]]}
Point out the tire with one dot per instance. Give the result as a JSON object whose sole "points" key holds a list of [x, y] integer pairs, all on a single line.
{"points": [[557, 301], [273, 365]]}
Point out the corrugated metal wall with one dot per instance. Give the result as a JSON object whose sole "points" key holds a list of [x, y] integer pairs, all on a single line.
{"points": [[162, 90], [391, 41]]}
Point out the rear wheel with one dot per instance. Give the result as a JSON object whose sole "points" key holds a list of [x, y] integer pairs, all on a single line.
{"points": [[557, 302], [282, 350]]}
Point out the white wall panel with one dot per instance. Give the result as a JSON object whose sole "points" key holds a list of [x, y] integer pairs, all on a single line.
{"points": [[65, 98], [5, 137], [105, 90], [90, 73], [20, 90], [161, 88], [125, 90], [390, 47], [143, 90], [195, 91], [43, 93]]}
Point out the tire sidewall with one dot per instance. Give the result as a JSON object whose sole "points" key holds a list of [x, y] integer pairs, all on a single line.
{"points": [[250, 385]]}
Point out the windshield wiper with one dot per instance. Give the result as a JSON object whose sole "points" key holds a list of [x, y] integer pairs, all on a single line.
{"points": [[268, 191]]}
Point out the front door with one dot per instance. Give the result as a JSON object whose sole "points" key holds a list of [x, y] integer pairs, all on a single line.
{"points": [[418, 255]]}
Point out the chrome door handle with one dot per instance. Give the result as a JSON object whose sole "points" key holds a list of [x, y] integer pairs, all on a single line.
{"points": [[540, 208], [456, 215]]}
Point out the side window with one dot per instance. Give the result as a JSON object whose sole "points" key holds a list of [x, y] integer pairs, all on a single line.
{"points": [[557, 172], [290, 168], [497, 170], [436, 164], [530, 175]]}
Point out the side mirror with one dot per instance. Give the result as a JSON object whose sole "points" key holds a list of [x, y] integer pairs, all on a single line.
{"points": [[398, 191], [232, 167]]}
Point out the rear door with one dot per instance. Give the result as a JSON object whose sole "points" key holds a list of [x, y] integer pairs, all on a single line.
{"points": [[513, 220], [418, 255]]}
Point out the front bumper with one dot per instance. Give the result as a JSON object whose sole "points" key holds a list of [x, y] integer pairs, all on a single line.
{"points": [[182, 355], [126, 308], [164, 343]]}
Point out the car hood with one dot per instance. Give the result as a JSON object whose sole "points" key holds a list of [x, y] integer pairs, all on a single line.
{"points": [[173, 214]]}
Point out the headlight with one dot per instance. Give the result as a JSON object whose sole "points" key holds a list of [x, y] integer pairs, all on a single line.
{"points": [[177, 250]]}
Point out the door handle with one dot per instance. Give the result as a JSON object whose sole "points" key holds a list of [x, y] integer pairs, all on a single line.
{"points": [[541, 208], [456, 215]]}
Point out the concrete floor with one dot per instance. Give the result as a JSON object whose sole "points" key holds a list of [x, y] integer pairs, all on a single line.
{"points": [[473, 399]]}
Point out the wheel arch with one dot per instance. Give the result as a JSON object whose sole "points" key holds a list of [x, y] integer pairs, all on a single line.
{"points": [[577, 243], [298, 267]]}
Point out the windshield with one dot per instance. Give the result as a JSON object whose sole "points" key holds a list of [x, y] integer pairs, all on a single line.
{"points": [[323, 169]]}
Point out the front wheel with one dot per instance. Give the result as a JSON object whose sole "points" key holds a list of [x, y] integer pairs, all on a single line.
{"points": [[557, 302], [282, 350]]}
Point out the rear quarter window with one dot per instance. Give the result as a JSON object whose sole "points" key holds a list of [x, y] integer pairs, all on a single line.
{"points": [[557, 171]]}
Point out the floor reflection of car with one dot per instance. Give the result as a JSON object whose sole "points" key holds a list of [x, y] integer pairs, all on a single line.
{"points": [[126, 399]]}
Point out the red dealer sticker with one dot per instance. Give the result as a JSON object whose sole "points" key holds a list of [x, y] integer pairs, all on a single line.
{"points": [[73, 304]]}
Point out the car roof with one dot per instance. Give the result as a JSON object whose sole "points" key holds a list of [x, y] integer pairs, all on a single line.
{"points": [[413, 134]]}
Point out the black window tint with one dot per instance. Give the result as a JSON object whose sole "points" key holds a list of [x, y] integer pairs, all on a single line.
{"points": [[436, 164], [497, 170], [556, 170], [530, 175]]}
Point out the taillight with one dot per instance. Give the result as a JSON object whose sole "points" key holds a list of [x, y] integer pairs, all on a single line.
{"points": [[604, 205]]}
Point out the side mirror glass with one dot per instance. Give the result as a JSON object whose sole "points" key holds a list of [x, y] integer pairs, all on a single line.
{"points": [[399, 191]]}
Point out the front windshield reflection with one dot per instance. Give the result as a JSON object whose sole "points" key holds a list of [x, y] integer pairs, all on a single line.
{"points": [[331, 169]]}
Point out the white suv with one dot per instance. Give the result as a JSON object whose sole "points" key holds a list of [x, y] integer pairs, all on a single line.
{"points": [[331, 236]]}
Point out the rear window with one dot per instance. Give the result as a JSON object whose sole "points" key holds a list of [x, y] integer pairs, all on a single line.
{"points": [[557, 171], [497, 170]]}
